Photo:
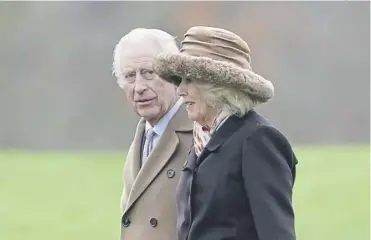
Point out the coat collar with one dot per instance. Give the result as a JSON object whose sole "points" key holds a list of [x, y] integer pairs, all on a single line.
{"points": [[160, 127], [230, 126], [160, 155]]}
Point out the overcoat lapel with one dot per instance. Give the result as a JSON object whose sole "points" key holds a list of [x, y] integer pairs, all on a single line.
{"points": [[231, 125], [137, 147], [159, 157], [132, 165]]}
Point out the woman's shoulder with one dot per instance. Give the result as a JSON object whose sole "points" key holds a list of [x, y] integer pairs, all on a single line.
{"points": [[256, 124], [262, 134]]}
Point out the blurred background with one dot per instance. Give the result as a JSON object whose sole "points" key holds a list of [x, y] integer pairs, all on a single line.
{"points": [[65, 125]]}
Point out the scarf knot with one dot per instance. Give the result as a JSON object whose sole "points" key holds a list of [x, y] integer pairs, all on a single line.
{"points": [[202, 134]]}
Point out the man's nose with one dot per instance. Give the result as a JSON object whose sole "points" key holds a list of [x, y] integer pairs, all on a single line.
{"points": [[140, 84]]}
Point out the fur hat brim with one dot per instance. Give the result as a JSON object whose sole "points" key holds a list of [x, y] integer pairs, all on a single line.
{"points": [[173, 67]]}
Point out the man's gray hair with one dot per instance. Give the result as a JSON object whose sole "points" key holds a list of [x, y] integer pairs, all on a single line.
{"points": [[230, 100], [162, 39]]}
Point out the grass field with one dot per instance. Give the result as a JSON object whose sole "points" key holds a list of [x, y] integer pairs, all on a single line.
{"points": [[59, 196]]}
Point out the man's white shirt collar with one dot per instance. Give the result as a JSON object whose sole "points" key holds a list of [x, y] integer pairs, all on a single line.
{"points": [[161, 125]]}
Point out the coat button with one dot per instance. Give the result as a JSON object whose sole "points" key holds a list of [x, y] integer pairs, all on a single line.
{"points": [[153, 222], [170, 173], [125, 221]]}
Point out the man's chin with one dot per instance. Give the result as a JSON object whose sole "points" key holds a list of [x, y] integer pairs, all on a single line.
{"points": [[147, 113]]}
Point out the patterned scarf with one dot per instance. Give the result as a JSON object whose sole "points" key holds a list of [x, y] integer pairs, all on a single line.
{"points": [[202, 135]]}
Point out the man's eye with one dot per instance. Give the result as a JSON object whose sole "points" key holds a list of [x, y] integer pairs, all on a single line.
{"points": [[130, 77], [148, 74]]}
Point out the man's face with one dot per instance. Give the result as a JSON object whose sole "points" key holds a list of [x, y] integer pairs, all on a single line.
{"points": [[150, 96]]}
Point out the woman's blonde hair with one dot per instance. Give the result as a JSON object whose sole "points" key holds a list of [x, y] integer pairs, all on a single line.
{"points": [[230, 100]]}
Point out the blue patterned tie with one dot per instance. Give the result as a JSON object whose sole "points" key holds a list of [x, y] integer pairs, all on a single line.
{"points": [[148, 144]]}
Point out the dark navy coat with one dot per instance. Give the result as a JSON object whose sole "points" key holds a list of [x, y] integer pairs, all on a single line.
{"points": [[240, 188]]}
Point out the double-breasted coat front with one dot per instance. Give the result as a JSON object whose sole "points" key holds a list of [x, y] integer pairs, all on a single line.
{"points": [[148, 198], [240, 187]]}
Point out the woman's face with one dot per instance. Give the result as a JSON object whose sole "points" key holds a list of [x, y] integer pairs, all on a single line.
{"points": [[196, 103]]}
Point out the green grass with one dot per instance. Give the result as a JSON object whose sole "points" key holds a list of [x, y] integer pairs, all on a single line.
{"points": [[63, 196]]}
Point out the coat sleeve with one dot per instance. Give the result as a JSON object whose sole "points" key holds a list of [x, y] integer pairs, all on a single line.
{"points": [[267, 168]]}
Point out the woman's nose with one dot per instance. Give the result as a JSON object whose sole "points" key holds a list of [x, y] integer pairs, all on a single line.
{"points": [[180, 93], [181, 90]]}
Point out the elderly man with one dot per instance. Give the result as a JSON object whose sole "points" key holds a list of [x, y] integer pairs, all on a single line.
{"points": [[162, 140]]}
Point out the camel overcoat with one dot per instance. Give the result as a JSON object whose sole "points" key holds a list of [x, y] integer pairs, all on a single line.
{"points": [[148, 208]]}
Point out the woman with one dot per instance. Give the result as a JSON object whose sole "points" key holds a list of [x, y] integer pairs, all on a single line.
{"points": [[238, 178]]}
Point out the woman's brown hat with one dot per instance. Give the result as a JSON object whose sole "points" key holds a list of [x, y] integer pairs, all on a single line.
{"points": [[216, 56]]}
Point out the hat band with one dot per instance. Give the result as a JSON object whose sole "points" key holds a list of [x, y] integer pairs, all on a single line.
{"points": [[216, 52]]}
